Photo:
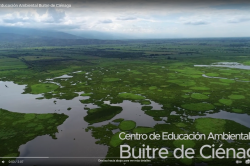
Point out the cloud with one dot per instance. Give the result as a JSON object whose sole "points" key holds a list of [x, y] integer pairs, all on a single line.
{"points": [[239, 19], [108, 21], [41, 11], [196, 23], [55, 15], [126, 18], [14, 20], [237, 6], [50, 15], [194, 20], [147, 18]]}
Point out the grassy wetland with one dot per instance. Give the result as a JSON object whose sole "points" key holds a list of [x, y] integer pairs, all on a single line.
{"points": [[140, 86]]}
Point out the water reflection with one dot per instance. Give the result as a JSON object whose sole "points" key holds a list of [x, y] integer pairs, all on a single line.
{"points": [[235, 65], [243, 119]]}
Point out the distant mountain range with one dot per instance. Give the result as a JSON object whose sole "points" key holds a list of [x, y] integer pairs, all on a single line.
{"points": [[14, 37], [16, 33], [100, 35], [10, 33]]}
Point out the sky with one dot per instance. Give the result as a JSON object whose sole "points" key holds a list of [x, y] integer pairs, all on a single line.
{"points": [[136, 19]]}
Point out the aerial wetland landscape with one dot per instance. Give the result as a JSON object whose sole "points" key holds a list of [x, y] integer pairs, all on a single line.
{"points": [[60, 101]]}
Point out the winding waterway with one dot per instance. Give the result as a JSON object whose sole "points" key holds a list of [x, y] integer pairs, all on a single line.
{"points": [[75, 146]]}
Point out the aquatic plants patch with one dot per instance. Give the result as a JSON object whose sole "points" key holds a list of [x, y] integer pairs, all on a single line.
{"points": [[131, 96], [207, 125], [236, 97], [105, 112], [143, 130], [127, 125], [111, 79], [43, 88], [198, 106], [199, 96], [227, 102]]}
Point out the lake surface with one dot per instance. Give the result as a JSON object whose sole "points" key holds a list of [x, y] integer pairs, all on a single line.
{"points": [[235, 65]]}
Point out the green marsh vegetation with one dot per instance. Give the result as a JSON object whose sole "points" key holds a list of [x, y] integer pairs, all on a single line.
{"points": [[201, 125], [19, 128], [104, 113], [160, 71]]}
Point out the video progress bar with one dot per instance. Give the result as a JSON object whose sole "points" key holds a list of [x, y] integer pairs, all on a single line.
{"points": [[87, 158], [53, 157]]}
